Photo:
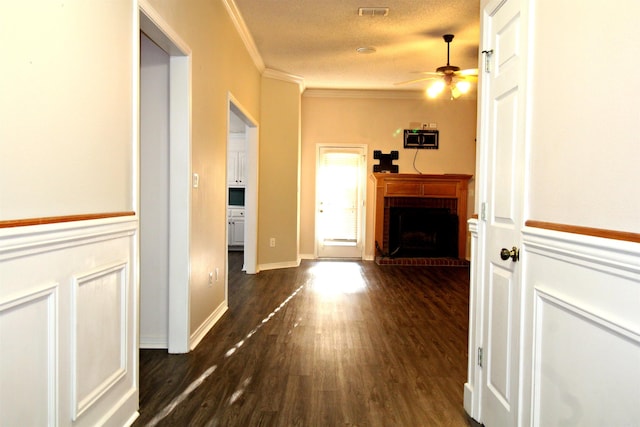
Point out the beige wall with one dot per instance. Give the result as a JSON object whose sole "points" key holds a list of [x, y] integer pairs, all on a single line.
{"points": [[278, 174], [585, 147], [65, 135], [68, 111], [220, 64], [378, 120]]}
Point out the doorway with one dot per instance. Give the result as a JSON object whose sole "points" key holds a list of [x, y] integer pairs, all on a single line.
{"points": [[340, 201], [165, 318], [241, 123]]}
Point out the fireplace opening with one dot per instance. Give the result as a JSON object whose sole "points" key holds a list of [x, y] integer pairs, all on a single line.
{"points": [[422, 232]]}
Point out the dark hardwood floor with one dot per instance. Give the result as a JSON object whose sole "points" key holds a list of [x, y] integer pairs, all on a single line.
{"points": [[330, 343]]}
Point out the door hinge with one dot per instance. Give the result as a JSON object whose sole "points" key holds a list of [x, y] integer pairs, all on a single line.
{"points": [[480, 356], [483, 211], [487, 56]]}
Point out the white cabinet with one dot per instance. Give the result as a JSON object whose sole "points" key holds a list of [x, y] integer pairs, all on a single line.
{"points": [[236, 227], [236, 160], [236, 167]]}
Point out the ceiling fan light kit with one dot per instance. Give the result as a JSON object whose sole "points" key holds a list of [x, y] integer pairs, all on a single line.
{"points": [[448, 76]]}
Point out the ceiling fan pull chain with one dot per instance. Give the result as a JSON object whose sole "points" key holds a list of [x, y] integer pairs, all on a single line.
{"points": [[487, 55]]}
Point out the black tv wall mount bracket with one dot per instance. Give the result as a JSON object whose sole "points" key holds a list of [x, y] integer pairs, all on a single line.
{"points": [[385, 161]]}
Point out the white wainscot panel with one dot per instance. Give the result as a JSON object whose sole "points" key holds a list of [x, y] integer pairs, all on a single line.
{"points": [[28, 393], [99, 342], [584, 330], [587, 370], [69, 353]]}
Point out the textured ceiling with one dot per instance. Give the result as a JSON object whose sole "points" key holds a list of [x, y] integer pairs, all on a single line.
{"points": [[317, 39]]}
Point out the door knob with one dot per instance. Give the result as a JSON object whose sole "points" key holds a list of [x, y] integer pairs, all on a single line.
{"points": [[514, 254]]}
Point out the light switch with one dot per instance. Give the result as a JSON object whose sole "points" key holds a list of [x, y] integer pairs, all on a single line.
{"points": [[196, 180]]}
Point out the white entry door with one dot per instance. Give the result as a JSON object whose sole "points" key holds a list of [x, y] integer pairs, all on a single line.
{"points": [[502, 126], [340, 189]]}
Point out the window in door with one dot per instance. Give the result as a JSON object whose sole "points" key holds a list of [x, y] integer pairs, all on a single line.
{"points": [[340, 188]]}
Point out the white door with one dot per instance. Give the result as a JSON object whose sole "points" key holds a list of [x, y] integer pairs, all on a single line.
{"points": [[340, 188], [502, 126]]}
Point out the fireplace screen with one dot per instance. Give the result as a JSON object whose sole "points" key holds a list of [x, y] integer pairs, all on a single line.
{"points": [[422, 232]]}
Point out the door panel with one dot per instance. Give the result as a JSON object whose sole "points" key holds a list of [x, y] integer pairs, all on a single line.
{"points": [[499, 334], [503, 119]]}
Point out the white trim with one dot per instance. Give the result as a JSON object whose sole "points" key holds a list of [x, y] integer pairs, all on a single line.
{"points": [[49, 294], [80, 406], [244, 33], [367, 94], [472, 391], [362, 149], [287, 77], [608, 255], [36, 239], [153, 342], [277, 265], [180, 83], [206, 326], [252, 137], [158, 30]]}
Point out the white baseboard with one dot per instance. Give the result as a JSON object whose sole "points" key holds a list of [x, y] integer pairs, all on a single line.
{"points": [[307, 256], [153, 342], [199, 334], [277, 265]]}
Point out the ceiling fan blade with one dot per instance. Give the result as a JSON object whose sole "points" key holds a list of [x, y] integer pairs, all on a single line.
{"points": [[408, 82], [468, 72], [429, 73], [470, 78]]}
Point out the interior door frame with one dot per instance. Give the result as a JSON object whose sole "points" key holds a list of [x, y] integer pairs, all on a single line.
{"points": [[251, 187], [152, 24], [363, 190]]}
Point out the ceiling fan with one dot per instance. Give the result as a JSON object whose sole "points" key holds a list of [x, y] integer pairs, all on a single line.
{"points": [[448, 76]]}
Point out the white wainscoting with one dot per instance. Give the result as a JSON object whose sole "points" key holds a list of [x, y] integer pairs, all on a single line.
{"points": [[581, 358], [68, 323]]}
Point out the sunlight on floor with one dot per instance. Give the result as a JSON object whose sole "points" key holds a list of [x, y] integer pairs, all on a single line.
{"points": [[240, 390], [332, 278]]}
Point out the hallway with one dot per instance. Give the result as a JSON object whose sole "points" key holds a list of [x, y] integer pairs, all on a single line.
{"points": [[329, 343]]}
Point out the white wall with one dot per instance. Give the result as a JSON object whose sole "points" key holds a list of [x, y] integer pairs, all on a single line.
{"points": [[154, 195], [66, 135], [585, 117]]}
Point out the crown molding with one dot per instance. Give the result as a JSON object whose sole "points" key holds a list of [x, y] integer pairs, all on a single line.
{"points": [[281, 75], [245, 35], [376, 94], [364, 93]]}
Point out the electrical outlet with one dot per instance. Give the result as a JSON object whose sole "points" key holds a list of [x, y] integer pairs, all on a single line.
{"points": [[272, 242]]}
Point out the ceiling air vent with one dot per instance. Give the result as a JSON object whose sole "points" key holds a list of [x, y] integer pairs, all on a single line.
{"points": [[373, 11]]}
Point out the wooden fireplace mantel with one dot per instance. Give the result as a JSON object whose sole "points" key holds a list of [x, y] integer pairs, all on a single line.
{"points": [[449, 186]]}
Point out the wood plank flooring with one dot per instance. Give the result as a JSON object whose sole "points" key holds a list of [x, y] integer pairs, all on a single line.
{"points": [[330, 343]]}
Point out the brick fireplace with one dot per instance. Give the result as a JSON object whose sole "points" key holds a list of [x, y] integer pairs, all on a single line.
{"points": [[421, 219]]}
